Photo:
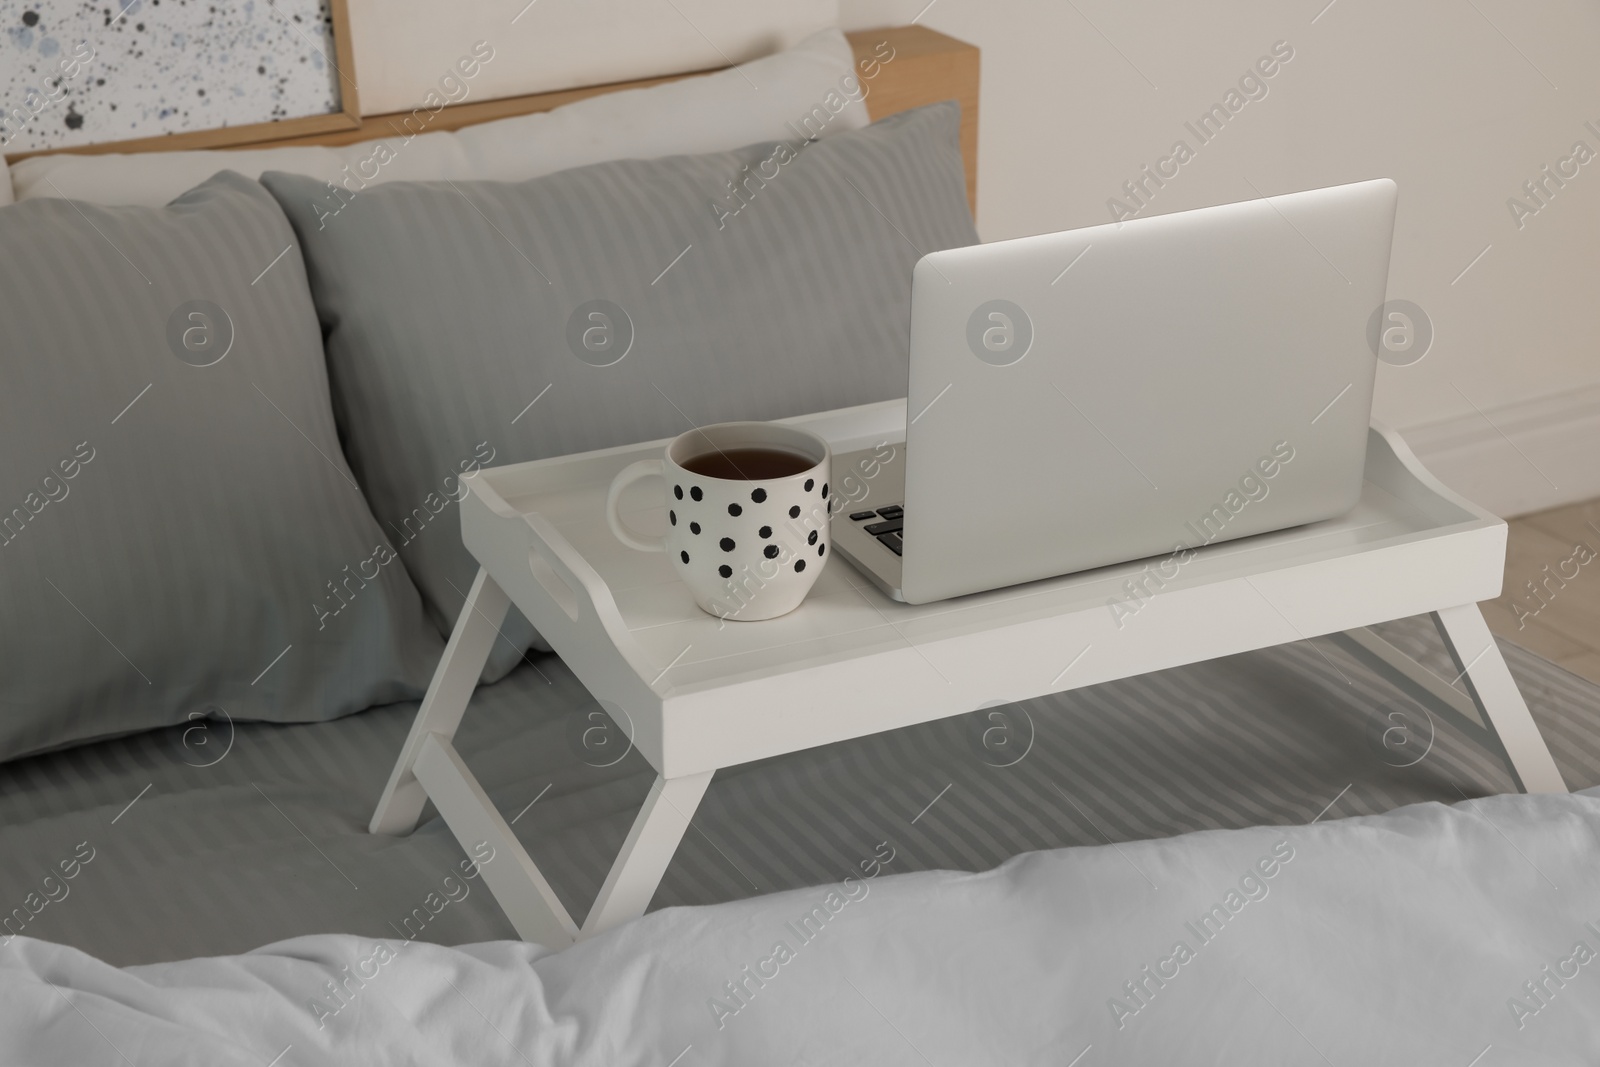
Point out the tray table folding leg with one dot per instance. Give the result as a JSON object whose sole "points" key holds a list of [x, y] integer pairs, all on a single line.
{"points": [[1491, 711], [1488, 680], [430, 767], [440, 714]]}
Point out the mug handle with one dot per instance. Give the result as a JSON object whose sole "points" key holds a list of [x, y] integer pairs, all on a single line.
{"points": [[644, 468]]}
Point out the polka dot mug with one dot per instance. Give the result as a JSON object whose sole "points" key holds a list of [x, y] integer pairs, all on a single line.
{"points": [[747, 515]]}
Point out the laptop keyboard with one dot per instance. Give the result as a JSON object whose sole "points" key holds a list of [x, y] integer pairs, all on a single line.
{"points": [[888, 529]]}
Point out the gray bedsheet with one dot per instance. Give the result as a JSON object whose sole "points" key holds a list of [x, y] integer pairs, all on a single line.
{"points": [[213, 839]]}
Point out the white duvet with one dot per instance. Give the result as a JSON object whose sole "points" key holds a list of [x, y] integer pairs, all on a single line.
{"points": [[1431, 935]]}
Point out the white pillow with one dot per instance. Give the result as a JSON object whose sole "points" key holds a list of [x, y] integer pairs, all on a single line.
{"points": [[714, 113]]}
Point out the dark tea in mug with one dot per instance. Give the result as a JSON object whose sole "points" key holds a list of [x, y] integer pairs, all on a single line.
{"points": [[748, 464]]}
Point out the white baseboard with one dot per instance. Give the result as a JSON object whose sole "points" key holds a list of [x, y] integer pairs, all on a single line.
{"points": [[1527, 456]]}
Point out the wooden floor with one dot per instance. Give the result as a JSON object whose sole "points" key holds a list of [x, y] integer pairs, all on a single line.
{"points": [[1558, 616]]}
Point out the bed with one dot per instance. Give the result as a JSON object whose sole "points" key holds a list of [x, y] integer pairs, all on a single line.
{"points": [[222, 811], [226, 904]]}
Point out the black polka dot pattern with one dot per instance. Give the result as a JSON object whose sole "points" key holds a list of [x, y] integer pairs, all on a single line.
{"points": [[761, 526]]}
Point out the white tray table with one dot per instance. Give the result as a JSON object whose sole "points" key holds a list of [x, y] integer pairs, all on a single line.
{"points": [[696, 693]]}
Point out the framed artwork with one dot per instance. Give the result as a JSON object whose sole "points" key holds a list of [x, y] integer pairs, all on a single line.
{"points": [[130, 75]]}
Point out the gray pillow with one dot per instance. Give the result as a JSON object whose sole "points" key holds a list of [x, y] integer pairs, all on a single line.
{"points": [[179, 532], [623, 301]]}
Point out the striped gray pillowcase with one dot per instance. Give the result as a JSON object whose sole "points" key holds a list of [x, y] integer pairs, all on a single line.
{"points": [[490, 323], [179, 532]]}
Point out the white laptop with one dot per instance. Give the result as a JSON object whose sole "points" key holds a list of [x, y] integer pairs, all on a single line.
{"points": [[1101, 395]]}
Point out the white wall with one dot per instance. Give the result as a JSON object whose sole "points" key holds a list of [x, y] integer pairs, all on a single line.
{"points": [[1460, 108], [403, 48]]}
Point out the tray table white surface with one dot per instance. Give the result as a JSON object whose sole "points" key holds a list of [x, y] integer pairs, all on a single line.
{"points": [[696, 693]]}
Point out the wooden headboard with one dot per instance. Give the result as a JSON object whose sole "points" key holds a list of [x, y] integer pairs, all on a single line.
{"points": [[926, 67]]}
